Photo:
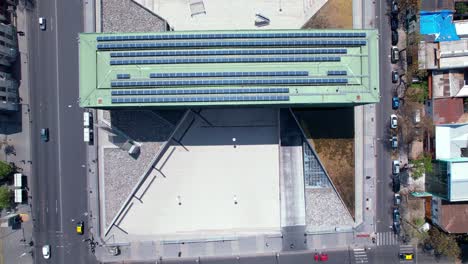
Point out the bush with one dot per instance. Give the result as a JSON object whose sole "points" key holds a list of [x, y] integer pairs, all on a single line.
{"points": [[5, 169], [5, 197], [418, 222], [421, 165]]}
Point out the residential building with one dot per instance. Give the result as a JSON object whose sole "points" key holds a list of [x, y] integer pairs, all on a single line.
{"points": [[8, 44], [8, 92]]}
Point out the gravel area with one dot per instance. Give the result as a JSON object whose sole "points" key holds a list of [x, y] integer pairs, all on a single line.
{"points": [[128, 16], [121, 171], [324, 210]]}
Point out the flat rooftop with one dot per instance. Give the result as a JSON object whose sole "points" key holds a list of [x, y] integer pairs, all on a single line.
{"points": [[233, 15], [225, 68]]}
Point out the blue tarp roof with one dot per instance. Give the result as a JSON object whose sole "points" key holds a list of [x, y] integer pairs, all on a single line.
{"points": [[438, 23]]}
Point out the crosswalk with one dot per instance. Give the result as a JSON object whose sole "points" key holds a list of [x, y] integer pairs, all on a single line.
{"points": [[360, 255], [386, 239], [407, 249]]}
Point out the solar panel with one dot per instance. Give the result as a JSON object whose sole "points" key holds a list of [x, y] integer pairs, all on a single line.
{"points": [[228, 82], [286, 43], [123, 76], [236, 35], [225, 60], [227, 74], [199, 91], [336, 73], [227, 52], [199, 99]]}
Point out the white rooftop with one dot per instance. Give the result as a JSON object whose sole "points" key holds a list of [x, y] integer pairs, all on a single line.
{"points": [[459, 181], [231, 15], [450, 138]]}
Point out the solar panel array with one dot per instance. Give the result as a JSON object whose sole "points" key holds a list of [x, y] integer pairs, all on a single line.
{"points": [[306, 81], [123, 76], [200, 91], [227, 52], [235, 35], [227, 74], [336, 73], [201, 44], [225, 60], [244, 98]]}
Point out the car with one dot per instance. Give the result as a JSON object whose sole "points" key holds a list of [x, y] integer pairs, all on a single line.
{"points": [[42, 23], [45, 134], [406, 256], [394, 142], [46, 251], [394, 8], [396, 228], [321, 257], [393, 121], [395, 167], [394, 54], [395, 102], [80, 228], [415, 79], [394, 23], [395, 77], [394, 37], [396, 183], [396, 199]]}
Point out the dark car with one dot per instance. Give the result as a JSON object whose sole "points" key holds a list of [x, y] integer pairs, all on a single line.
{"points": [[394, 37], [394, 54], [396, 183], [395, 77], [45, 134], [396, 221], [394, 8], [395, 102], [394, 142], [394, 23]]}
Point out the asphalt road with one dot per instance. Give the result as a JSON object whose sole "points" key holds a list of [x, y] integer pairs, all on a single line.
{"points": [[59, 176]]}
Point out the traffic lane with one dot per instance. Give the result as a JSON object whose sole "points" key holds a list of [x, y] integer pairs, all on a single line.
{"points": [[384, 255], [334, 257]]}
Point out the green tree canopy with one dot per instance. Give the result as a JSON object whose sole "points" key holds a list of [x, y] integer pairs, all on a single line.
{"points": [[444, 243], [5, 197], [5, 169], [421, 165]]}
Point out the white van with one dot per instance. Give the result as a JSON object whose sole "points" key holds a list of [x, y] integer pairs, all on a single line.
{"points": [[18, 196], [87, 119], [18, 180]]}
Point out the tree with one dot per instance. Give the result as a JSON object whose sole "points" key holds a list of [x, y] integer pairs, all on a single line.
{"points": [[5, 169], [421, 165], [443, 243], [5, 197]]}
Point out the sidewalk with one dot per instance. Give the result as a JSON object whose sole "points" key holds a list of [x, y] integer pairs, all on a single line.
{"points": [[16, 130]]}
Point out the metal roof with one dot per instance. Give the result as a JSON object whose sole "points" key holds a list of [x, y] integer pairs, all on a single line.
{"points": [[223, 68]]}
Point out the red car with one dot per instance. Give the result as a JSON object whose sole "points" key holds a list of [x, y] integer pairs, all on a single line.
{"points": [[321, 257]]}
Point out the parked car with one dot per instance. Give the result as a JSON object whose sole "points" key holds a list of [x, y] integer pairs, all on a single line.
{"points": [[393, 121], [394, 142], [394, 23], [396, 221], [396, 199], [395, 77], [395, 167], [394, 37], [45, 134], [396, 183], [394, 8], [42, 23], [395, 102], [46, 251], [321, 257], [394, 54]]}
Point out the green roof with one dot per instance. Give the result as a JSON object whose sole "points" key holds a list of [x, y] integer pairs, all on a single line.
{"points": [[224, 68]]}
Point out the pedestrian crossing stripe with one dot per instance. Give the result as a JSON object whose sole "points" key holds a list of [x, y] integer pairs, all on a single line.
{"points": [[386, 238], [360, 255]]}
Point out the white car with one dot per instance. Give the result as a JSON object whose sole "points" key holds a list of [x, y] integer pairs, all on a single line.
{"points": [[393, 121], [46, 251], [42, 23], [396, 167]]}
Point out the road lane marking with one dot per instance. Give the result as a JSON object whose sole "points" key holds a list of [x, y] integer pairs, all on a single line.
{"points": [[56, 206], [58, 115]]}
